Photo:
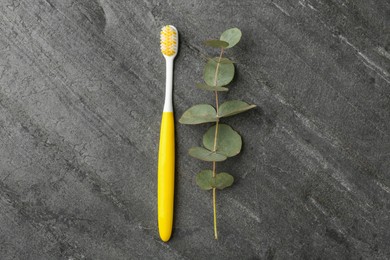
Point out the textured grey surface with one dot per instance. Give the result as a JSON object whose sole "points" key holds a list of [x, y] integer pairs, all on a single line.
{"points": [[80, 101]]}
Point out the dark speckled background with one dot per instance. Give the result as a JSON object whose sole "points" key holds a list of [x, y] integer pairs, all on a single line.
{"points": [[81, 86]]}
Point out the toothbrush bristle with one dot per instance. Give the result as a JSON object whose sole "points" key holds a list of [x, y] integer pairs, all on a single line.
{"points": [[168, 40]]}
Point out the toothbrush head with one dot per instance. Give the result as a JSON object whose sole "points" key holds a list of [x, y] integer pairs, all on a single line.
{"points": [[169, 41]]}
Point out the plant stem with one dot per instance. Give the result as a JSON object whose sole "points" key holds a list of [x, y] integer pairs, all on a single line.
{"points": [[215, 213], [215, 145]]}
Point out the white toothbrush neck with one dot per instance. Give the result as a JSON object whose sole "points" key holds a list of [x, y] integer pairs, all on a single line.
{"points": [[168, 107]]}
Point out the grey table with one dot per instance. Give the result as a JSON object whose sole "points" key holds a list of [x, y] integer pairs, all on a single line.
{"points": [[81, 86]]}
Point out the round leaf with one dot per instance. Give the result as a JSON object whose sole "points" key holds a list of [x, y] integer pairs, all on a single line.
{"points": [[204, 179], [224, 76], [228, 141], [216, 43], [206, 155], [232, 36], [223, 180], [210, 88], [233, 107], [198, 114]]}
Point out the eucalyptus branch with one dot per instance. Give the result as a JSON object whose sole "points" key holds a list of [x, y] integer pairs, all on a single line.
{"points": [[215, 145], [220, 141]]}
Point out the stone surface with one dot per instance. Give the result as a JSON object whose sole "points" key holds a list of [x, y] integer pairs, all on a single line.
{"points": [[81, 87]]}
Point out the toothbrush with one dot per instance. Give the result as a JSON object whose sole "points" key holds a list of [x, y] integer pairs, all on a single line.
{"points": [[166, 155]]}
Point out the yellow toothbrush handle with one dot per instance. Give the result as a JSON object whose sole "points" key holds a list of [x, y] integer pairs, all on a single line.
{"points": [[166, 176]]}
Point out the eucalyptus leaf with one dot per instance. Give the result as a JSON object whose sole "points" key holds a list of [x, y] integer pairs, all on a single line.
{"points": [[232, 36], [206, 155], [216, 43], [224, 76], [233, 107], [198, 114], [204, 179], [210, 88], [223, 180], [228, 141]]}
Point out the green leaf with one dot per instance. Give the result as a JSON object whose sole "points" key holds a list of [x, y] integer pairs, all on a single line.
{"points": [[198, 114], [224, 76], [204, 179], [216, 43], [228, 141], [206, 155], [223, 180], [233, 107], [232, 36], [223, 60], [207, 87]]}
